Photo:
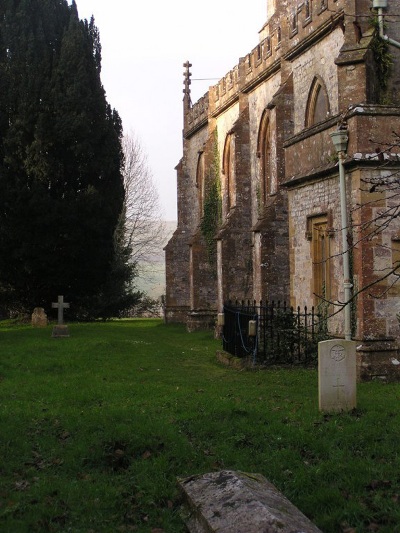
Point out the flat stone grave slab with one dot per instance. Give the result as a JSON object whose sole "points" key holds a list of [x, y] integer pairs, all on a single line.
{"points": [[236, 502]]}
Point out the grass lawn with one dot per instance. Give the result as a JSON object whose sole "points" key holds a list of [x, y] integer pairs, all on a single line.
{"points": [[96, 428]]}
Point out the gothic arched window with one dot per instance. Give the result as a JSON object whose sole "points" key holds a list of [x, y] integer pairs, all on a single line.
{"points": [[318, 103], [228, 171], [200, 183], [266, 151]]}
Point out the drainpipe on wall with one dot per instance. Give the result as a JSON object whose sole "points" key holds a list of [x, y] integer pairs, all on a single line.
{"points": [[340, 140], [380, 5]]}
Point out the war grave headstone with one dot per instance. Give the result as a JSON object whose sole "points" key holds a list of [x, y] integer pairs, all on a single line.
{"points": [[39, 318], [61, 329], [337, 375]]}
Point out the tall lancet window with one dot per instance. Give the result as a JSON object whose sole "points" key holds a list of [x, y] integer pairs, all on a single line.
{"points": [[266, 151], [318, 108], [200, 184], [228, 175]]}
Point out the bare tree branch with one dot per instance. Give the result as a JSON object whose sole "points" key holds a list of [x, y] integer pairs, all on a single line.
{"points": [[144, 230]]}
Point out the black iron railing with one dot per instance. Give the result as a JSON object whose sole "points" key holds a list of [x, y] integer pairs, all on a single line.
{"points": [[279, 334]]}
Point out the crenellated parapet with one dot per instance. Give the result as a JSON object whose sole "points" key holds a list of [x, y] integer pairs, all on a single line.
{"points": [[261, 63], [304, 18], [293, 27], [196, 116], [225, 92]]}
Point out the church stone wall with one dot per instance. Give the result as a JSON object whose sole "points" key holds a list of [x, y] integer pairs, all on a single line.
{"points": [[263, 244], [317, 61], [224, 124], [193, 147], [375, 256], [315, 198], [259, 99]]}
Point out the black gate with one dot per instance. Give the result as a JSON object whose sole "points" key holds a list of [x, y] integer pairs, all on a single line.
{"points": [[281, 334]]}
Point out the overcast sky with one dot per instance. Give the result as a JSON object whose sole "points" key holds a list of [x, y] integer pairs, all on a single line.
{"points": [[144, 45]]}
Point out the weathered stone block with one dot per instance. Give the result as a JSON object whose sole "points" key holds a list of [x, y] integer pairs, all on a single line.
{"points": [[239, 363], [200, 320], [60, 331], [236, 502], [378, 360], [39, 318]]}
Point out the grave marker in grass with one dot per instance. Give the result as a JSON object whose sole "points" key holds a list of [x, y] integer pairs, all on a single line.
{"points": [[39, 318], [61, 330], [337, 375], [237, 502]]}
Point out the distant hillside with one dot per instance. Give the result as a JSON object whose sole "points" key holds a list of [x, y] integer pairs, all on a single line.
{"points": [[152, 277]]}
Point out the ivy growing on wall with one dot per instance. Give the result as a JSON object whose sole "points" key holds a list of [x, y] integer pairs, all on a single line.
{"points": [[212, 202], [383, 61]]}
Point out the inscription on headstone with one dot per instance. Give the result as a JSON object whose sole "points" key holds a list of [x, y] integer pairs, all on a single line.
{"points": [[337, 375]]}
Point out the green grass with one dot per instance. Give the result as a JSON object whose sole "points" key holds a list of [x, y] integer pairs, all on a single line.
{"points": [[95, 429]]}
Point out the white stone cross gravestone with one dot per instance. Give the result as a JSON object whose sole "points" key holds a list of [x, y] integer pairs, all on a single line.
{"points": [[60, 305], [337, 375], [61, 330]]}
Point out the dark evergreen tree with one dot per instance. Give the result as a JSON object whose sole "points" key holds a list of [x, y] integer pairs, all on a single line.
{"points": [[61, 188]]}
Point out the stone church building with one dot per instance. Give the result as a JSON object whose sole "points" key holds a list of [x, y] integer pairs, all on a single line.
{"points": [[259, 203]]}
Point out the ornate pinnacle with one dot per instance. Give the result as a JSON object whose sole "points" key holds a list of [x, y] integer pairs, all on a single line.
{"points": [[187, 82]]}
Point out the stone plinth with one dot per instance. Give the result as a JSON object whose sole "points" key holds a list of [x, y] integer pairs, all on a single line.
{"points": [[39, 318], [60, 331], [378, 360], [201, 320], [239, 363], [175, 314], [235, 502], [337, 375]]}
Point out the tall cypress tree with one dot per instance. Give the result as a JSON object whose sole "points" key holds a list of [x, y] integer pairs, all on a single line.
{"points": [[60, 161]]}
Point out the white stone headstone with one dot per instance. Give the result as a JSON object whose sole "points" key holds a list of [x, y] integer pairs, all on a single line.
{"points": [[337, 375], [60, 305]]}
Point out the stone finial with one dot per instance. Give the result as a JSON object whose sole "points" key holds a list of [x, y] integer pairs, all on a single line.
{"points": [[187, 82]]}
